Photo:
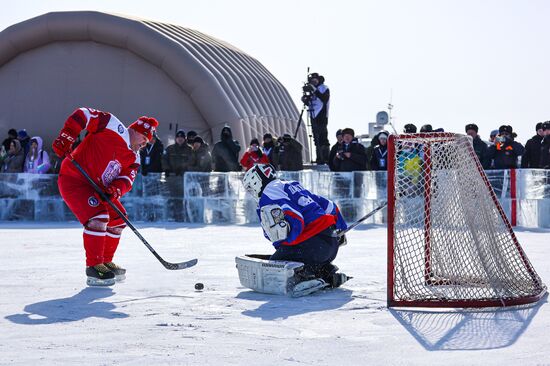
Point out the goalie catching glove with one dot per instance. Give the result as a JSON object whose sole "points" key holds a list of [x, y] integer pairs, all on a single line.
{"points": [[275, 226]]}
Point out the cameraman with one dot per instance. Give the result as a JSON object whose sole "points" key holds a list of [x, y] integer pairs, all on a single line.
{"points": [[288, 154], [316, 98], [505, 151]]}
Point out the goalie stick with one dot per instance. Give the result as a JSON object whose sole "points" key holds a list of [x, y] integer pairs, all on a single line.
{"points": [[167, 265], [381, 206]]}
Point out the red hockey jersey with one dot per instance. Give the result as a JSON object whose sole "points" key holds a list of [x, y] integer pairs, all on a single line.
{"points": [[105, 153]]}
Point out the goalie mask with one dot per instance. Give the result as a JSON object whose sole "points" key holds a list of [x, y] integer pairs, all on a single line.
{"points": [[257, 177]]}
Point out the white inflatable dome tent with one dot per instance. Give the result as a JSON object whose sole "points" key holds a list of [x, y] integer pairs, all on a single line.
{"points": [[56, 62]]}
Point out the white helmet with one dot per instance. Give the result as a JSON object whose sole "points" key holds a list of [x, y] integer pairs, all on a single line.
{"points": [[257, 177]]}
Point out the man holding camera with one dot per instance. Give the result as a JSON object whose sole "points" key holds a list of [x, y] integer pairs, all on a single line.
{"points": [[316, 98], [352, 156], [288, 154], [505, 151]]}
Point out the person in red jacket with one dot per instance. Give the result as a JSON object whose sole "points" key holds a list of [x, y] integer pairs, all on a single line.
{"points": [[110, 155], [254, 155]]}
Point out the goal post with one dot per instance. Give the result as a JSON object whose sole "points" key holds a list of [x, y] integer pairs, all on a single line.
{"points": [[450, 243]]}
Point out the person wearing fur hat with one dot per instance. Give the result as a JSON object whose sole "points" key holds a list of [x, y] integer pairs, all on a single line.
{"points": [[531, 158], [110, 156], [202, 160], [254, 155], [480, 147], [352, 156], [505, 151], [177, 157]]}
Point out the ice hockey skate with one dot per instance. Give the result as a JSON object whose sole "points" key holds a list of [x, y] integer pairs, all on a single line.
{"points": [[100, 275], [305, 288], [120, 273]]}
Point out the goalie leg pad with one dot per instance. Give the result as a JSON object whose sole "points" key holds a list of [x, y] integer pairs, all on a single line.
{"points": [[268, 276]]}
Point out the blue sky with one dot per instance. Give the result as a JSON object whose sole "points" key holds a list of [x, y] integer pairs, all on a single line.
{"points": [[447, 63]]}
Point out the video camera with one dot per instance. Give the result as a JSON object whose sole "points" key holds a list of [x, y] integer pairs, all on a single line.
{"points": [[308, 89], [307, 93], [285, 138]]}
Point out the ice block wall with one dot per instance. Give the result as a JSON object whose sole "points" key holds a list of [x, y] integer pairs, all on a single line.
{"points": [[220, 198]]}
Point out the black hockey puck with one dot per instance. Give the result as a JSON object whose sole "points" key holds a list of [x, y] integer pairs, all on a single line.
{"points": [[199, 286]]}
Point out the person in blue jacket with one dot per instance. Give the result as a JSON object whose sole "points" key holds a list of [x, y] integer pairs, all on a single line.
{"points": [[302, 226]]}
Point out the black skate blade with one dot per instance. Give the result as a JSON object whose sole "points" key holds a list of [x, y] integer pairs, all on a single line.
{"points": [[92, 281]]}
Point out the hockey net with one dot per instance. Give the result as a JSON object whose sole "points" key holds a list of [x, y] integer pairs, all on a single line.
{"points": [[449, 241]]}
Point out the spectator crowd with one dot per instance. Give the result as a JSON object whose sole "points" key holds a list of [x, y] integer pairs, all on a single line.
{"points": [[190, 153]]}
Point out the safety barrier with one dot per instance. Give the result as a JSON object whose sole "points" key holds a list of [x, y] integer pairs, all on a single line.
{"points": [[220, 198]]}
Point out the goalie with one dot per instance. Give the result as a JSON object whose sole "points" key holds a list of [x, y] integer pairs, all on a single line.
{"points": [[302, 226]]}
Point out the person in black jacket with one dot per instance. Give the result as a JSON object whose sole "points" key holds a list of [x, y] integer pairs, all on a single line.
{"points": [[151, 156], [379, 159], [409, 128], [505, 151], [334, 149], [25, 140], [480, 147], [225, 153], [202, 160], [531, 158], [269, 146], [352, 156], [545, 146], [288, 154], [317, 99]]}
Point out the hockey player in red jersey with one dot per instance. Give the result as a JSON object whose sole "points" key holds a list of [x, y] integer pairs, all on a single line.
{"points": [[110, 155]]}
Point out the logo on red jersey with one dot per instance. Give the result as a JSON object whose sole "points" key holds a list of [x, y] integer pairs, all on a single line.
{"points": [[92, 201], [120, 129], [111, 172]]}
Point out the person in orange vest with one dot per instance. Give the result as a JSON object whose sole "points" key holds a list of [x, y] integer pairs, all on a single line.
{"points": [[505, 151]]}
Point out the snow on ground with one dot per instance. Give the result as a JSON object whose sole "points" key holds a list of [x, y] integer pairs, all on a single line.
{"points": [[48, 315]]}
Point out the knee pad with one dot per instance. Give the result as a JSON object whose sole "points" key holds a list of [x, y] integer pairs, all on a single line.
{"points": [[115, 230], [97, 224]]}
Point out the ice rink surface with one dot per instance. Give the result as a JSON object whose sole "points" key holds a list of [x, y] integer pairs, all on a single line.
{"points": [[48, 316]]}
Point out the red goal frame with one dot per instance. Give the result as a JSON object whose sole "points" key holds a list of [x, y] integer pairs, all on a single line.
{"points": [[474, 303]]}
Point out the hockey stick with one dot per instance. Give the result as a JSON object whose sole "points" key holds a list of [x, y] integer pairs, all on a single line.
{"points": [[167, 265], [343, 232]]}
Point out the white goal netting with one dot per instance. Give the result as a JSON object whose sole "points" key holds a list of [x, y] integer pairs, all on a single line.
{"points": [[449, 242]]}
